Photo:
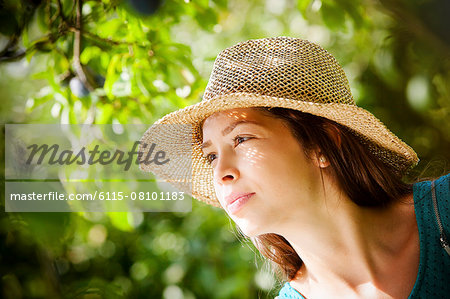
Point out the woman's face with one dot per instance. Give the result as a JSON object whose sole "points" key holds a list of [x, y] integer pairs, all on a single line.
{"points": [[262, 177]]}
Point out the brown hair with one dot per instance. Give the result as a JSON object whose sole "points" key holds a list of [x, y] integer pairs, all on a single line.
{"points": [[366, 180]]}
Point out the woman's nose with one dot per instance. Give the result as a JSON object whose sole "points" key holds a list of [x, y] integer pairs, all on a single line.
{"points": [[226, 171]]}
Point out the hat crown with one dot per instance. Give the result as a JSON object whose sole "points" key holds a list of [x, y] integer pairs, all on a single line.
{"points": [[282, 67]]}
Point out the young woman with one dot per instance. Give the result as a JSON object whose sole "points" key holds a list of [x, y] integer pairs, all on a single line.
{"points": [[313, 180]]}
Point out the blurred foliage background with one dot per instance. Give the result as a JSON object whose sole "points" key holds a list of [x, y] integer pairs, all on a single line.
{"points": [[113, 61]]}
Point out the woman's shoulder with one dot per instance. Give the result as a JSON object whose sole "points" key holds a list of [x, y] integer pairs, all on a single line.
{"points": [[444, 182], [422, 188], [432, 201], [288, 292], [432, 206]]}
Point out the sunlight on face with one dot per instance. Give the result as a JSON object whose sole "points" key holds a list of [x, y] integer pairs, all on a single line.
{"points": [[262, 177]]}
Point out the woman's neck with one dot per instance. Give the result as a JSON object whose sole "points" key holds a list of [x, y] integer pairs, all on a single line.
{"points": [[356, 250]]}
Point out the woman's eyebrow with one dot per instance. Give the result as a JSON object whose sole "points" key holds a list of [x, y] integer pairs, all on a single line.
{"points": [[230, 128]]}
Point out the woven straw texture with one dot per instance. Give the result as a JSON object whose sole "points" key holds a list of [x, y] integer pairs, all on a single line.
{"points": [[271, 72]]}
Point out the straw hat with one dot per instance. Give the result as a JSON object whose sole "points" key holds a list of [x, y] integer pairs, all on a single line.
{"points": [[271, 72]]}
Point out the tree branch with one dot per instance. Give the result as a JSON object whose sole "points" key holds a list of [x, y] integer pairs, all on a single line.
{"points": [[77, 48], [12, 43], [60, 10], [102, 39], [13, 57]]}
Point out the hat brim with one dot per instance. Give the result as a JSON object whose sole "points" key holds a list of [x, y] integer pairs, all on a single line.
{"points": [[197, 180]]}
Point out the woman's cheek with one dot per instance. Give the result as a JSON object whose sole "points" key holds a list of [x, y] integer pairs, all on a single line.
{"points": [[219, 195]]}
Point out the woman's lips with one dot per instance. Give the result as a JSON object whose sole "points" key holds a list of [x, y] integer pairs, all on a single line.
{"points": [[237, 203]]}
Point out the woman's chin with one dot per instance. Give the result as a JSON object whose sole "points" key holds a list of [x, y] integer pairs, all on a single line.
{"points": [[249, 229]]}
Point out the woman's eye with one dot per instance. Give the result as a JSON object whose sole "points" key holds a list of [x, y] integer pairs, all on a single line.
{"points": [[239, 139], [210, 158]]}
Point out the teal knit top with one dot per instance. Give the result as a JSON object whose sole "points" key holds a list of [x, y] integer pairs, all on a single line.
{"points": [[433, 279]]}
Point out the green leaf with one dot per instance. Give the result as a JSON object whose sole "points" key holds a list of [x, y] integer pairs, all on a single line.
{"points": [[112, 75], [174, 77], [303, 5], [104, 114], [222, 4], [333, 16], [114, 28], [44, 95], [68, 6], [207, 18], [30, 53], [42, 18], [43, 44], [356, 12], [89, 53]]}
